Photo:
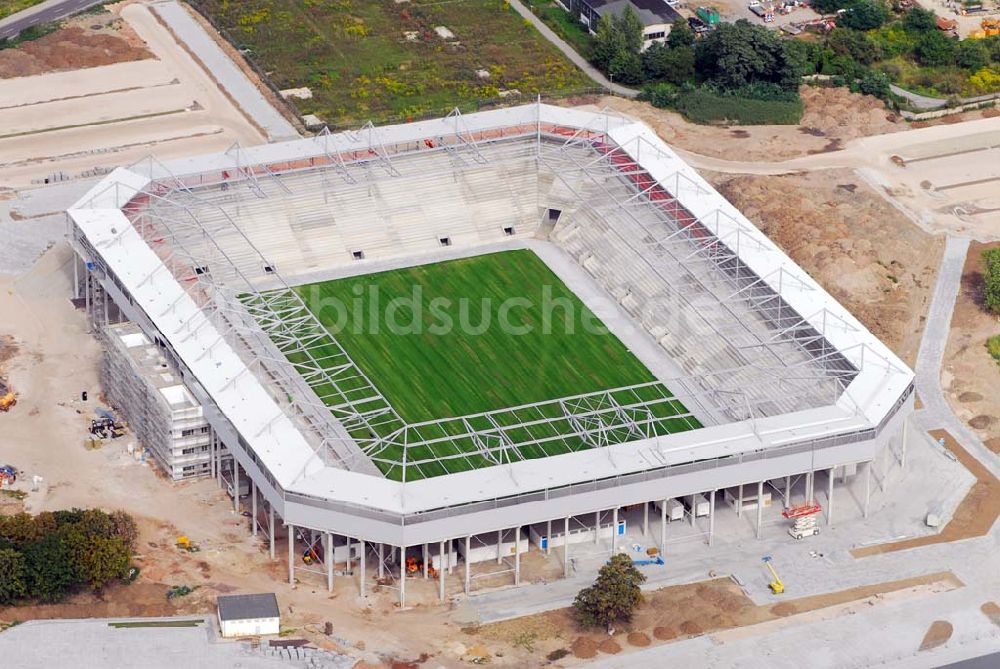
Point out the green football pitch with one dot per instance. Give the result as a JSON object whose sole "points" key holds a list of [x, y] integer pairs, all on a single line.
{"points": [[473, 335]]}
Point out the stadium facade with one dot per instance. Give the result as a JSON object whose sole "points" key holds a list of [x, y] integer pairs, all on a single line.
{"points": [[202, 254]]}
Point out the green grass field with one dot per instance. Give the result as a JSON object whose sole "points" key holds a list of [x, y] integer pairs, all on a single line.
{"points": [[428, 371], [8, 7], [381, 60]]}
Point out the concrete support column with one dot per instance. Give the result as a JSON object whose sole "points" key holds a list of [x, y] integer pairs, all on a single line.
{"points": [[760, 506], [868, 487], [468, 572], [270, 527], [440, 571], [451, 555], [711, 518], [76, 276], [499, 546], [381, 560], [402, 577], [253, 507], [810, 482], [614, 530], [548, 540], [291, 554], [906, 434], [739, 502], [694, 509], [788, 492], [362, 581], [566, 547], [645, 519], [426, 561], [236, 486], [829, 499], [597, 527], [350, 557], [517, 556], [329, 561], [663, 526]]}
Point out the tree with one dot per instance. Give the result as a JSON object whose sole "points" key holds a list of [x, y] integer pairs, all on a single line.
{"points": [[919, 20], [608, 41], [630, 26], [100, 560], [866, 15], [673, 64], [875, 83], [680, 34], [991, 278], [972, 54], [12, 586], [123, 525], [854, 44], [738, 54], [50, 572], [614, 595], [934, 48]]}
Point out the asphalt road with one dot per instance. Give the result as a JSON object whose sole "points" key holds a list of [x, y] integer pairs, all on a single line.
{"points": [[52, 10]]}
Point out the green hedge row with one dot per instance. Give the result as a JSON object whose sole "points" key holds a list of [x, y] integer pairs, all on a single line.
{"points": [[703, 106]]}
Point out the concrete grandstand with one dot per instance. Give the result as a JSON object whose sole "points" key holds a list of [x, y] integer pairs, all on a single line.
{"points": [[771, 377]]}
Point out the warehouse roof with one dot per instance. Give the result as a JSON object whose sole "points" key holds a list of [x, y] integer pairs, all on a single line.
{"points": [[248, 607]]}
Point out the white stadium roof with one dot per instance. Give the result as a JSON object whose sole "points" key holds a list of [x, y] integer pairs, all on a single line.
{"points": [[274, 437]]}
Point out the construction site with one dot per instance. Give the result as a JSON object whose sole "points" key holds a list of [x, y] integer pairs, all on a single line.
{"points": [[751, 434]]}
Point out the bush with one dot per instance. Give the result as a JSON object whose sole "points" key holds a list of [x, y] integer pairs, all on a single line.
{"points": [[704, 106], [875, 83], [993, 347], [935, 49], [919, 20], [991, 278]]}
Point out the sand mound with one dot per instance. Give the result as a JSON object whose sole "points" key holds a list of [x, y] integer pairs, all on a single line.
{"points": [[638, 639], [937, 634], [584, 648], [992, 612], [691, 627], [665, 633], [609, 646]]}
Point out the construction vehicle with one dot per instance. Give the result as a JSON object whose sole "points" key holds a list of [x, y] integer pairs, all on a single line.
{"points": [[991, 27], [7, 400], [805, 526], [414, 566], [186, 544], [777, 587], [8, 475], [807, 509]]}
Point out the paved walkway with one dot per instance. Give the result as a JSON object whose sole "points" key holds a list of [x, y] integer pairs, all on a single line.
{"points": [[225, 72], [571, 53]]}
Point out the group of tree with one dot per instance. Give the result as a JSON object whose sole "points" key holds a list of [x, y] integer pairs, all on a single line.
{"points": [[991, 278], [50, 555]]}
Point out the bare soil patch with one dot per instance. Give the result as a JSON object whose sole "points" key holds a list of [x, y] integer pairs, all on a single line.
{"points": [[866, 253], [974, 516], [970, 376], [937, 634], [687, 610], [89, 41]]}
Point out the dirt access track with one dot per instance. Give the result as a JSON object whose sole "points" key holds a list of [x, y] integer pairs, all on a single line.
{"points": [[83, 122]]}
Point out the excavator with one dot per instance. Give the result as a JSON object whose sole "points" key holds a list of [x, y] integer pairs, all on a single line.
{"points": [[7, 398]]}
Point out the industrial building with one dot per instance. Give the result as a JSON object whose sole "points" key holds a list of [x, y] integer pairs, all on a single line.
{"points": [[774, 380]]}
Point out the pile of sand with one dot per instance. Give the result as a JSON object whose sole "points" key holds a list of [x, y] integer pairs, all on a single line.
{"points": [[609, 646], [584, 648], [937, 634], [638, 639], [665, 633]]}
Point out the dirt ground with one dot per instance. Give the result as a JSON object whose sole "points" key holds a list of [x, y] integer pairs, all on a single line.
{"points": [[866, 253], [833, 117], [974, 516], [680, 612], [970, 376], [937, 634], [86, 41]]}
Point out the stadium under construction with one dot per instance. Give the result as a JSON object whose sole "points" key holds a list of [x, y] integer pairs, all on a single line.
{"points": [[747, 377]]}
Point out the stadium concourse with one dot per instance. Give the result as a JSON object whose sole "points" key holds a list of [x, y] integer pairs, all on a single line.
{"points": [[746, 377]]}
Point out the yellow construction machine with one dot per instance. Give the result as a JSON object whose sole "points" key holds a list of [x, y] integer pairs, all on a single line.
{"points": [[777, 587]]}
